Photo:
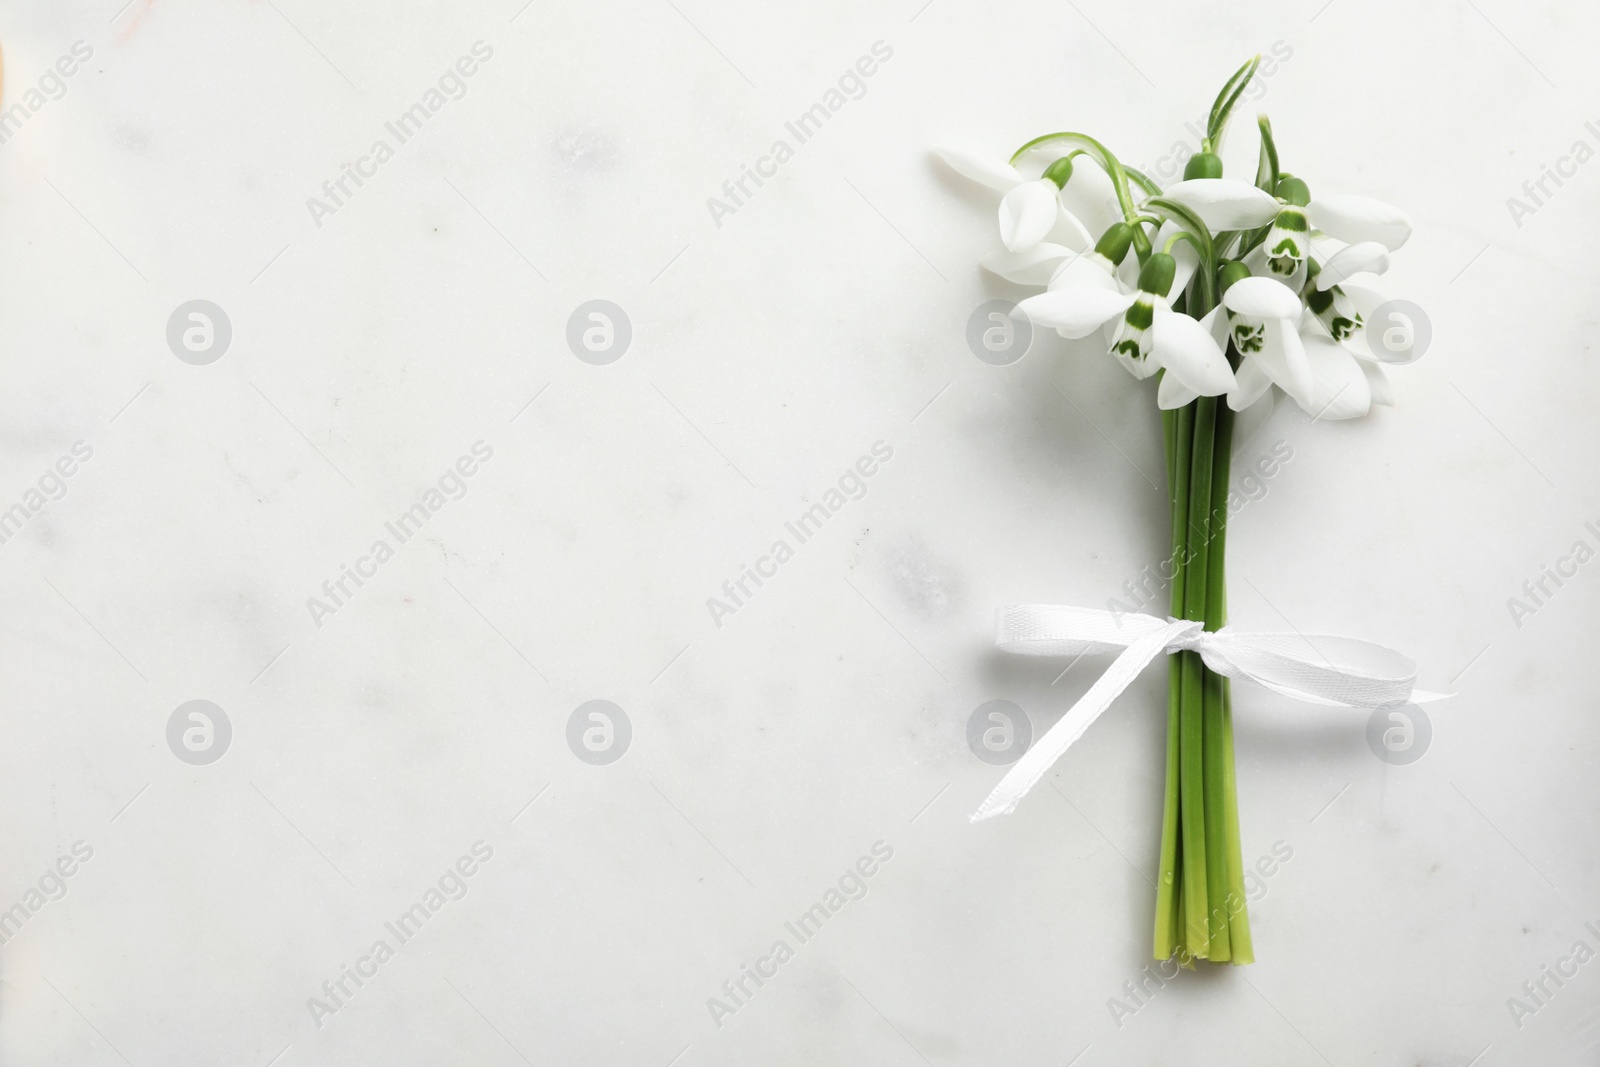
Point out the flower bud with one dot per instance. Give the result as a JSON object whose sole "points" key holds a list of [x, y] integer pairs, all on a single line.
{"points": [[1114, 242], [1156, 276], [1203, 165], [1059, 171], [1232, 271], [1293, 191]]}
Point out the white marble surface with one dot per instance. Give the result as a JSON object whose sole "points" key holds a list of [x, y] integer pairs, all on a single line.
{"points": [[368, 353]]}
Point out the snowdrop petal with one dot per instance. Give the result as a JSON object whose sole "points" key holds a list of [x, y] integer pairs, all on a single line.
{"points": [[1250, 382], [1365, 256], [1139, 368], [1075, 312], [1339, 388], [1225, 203], [1384, 338], [1365, 300], [995, 174], [1027, 213], [1069, 231], [1128, 271], [1090, 269], [1262, 298], [1188, 261], [1173, 393], [1378, 382], [1283, 359], [1091, 197], [1032, 266], [1360, 218], [1186, 350]]}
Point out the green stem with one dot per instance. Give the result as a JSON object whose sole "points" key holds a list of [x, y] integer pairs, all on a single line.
{"points": [[1168, 932], [1238, 914], [1142, 180], [1239, 921], [1216, 817], [1110, 163], [1206, 276], [1191, 762], [1210, 528]]}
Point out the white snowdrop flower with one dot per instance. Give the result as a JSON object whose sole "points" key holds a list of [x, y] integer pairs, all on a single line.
{"points": [[1031, 210], [1146, 335]]}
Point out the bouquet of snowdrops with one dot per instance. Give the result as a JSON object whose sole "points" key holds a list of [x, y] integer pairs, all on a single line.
{"points": [[1225, 292]]}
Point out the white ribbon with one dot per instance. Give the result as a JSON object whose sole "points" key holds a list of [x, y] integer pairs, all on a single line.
{"points": [[1318, 668]]}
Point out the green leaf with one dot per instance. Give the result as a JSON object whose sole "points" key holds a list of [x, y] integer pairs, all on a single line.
{"points": [[1142, 180], [1267, 174], [1227, 98], [1267, 177]]}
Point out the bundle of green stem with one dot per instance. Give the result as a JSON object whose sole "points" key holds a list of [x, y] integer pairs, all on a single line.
{"points": [[1201, 910]]}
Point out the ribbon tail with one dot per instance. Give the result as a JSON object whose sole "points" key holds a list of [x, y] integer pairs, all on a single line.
{"points": [[1038, 759], [1284, 690]]}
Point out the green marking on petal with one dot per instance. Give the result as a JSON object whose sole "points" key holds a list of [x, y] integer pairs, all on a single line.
{"points": [[1286, 249], [1293, 219], [1333, 309], [1248, 336], [1140, 315]]}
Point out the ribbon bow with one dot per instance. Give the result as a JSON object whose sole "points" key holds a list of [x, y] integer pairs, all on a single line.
{"points": [[1319, 669]]}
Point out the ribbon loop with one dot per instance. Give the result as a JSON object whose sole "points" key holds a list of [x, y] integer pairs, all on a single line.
{"points": [[1319, 669]]}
